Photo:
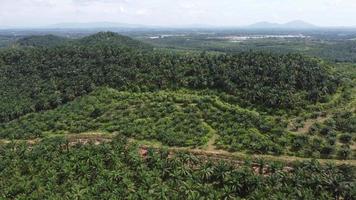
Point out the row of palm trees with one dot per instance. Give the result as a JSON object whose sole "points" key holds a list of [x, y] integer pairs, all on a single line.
{"points": [[117, 171]]}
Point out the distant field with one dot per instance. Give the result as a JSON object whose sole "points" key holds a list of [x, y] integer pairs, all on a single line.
{"points": [[329, 47], [6, 40]]}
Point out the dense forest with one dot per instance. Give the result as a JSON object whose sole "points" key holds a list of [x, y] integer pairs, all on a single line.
{"points": [[41, 41], [102, 38], [35, 79]]}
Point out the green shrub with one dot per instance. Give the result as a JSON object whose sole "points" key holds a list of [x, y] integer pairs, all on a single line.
{"points": [[299, 142], [343, 153], [345, 138], [315, 128], [327, 151], [326, 130], [331, 140]]}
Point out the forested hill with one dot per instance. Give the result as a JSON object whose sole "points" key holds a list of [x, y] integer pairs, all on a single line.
{"points": [[101, 38], [114, 39], [42, 41], [35, 79]]}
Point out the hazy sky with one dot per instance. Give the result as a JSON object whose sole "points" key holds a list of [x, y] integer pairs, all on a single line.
{"points": [[177, 12]]}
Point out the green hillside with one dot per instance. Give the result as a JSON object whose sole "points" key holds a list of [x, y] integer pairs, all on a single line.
{"points": [[101, 38], [109, 117], [245, 101], [113, 39], [38, 79], [174, 118], [42, 41]]}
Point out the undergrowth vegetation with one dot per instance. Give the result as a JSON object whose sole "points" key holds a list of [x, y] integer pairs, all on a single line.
{"points": [[174, 118]]}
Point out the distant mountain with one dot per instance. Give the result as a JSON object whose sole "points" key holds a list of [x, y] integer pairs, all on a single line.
{"points": [[297, 24], [94, 25], [112, 26]]}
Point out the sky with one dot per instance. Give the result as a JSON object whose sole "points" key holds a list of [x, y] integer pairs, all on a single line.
{"points": [[176, 12]]}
